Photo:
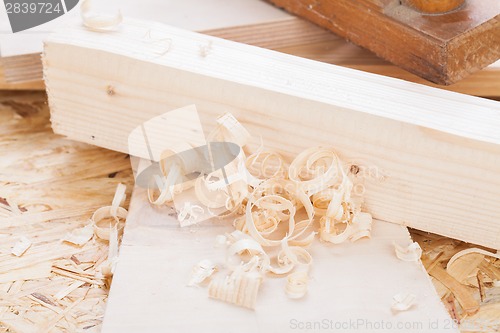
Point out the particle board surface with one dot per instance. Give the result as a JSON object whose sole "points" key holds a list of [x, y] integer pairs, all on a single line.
{"points": [[352, 284], [436, 153], [50, 186]]}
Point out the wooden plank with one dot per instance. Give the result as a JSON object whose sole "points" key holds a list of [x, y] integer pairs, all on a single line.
{"points": [[22, 69], [436, 153], [301, 38], [32, 82], [352, 284], [441, 48], [186, 14], [19, 49]]}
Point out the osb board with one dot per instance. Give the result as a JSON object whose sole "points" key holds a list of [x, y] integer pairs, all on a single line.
{"points": [[50, 186], [476, 275], [74, 179], [351, 287]]}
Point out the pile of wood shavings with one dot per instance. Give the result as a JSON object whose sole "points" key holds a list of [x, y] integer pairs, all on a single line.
{"points": [[277, 209], [49, 188]]}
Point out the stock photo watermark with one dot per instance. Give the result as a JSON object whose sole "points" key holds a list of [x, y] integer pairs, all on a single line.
{"points": [[27, 14], [368, 325]]}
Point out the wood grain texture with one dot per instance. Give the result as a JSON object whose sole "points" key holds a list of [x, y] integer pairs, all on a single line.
{"points": [[21, 73], [350, 283], [434, 7], [298, 37], [440, 48], [436, 152]]}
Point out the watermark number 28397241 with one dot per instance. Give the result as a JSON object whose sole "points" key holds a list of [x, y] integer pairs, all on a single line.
{"points": [[26, 14]]}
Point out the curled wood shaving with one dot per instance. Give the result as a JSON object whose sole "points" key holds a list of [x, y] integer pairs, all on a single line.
{"points": [[316, 169], [106, 218], [211, 195], [266, 164], [103, 221], [189, 214], [21, 246], [99, 21], [297, 284], [280, 207], [469, 251], [362, 226], [111, 230], [232, 130], [109, 265], [165, 185], [201, 271], [106, 224], [248, 245], [403, 302], [239, 288], [412, 252]]}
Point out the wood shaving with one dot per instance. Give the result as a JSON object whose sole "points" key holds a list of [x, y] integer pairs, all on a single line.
{"points": [[412, 252], [297, 285], [206, 49], [103, 221], [266, 195], [201, 271], [403, 302], [107, 218], [97, 20], [189, 214], [240, 288], [232, 129], [165, 185], [109, 265], [112, 230], [469, 251], [21, 246], [266, 164]]}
